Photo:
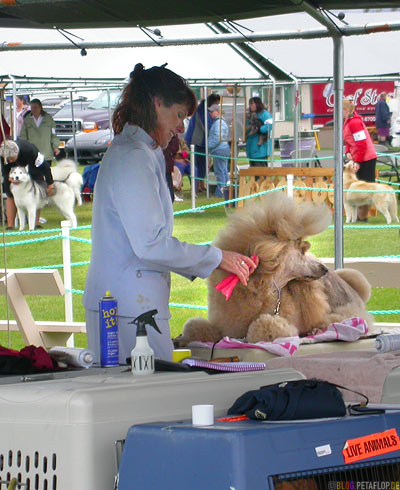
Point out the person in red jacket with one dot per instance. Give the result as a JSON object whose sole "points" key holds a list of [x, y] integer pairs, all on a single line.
{"points": [[359, 148]]}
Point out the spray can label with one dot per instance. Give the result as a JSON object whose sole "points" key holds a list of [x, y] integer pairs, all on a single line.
{"points": [[108, 317]]}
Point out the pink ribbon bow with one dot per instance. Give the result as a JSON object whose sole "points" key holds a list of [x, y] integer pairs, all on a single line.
{"points": [[227, 285]]}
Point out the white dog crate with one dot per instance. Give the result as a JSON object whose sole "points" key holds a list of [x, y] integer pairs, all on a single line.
{"points": [[60, 434]]}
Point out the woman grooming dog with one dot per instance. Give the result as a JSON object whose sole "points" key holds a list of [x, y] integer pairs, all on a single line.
{"points": [[359, 149], [22, 154], [133, 250]]}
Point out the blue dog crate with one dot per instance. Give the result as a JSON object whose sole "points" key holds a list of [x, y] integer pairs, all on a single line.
{"points": [[249, 455]]}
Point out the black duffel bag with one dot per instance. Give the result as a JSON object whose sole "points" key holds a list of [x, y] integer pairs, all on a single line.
{"points": [[292, 400]]}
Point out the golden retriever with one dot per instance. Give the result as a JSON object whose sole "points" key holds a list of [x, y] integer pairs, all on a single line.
{"points": [[385, 202], [290, 293]]}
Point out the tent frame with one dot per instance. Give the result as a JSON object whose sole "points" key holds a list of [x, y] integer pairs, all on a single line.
{"points": [[331, 30]]}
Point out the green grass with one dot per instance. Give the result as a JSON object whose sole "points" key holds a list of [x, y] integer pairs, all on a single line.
{"points": [[193, 228]]}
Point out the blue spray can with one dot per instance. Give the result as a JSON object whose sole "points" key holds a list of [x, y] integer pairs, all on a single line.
{"points": [[108, 317]]}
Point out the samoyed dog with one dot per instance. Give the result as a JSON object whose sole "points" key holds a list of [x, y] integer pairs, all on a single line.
{"points": [[30, 195], [66, 171]]}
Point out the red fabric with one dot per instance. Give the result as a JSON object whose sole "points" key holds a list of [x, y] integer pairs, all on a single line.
{"points": [[361, 151], [8, 352], [170, 153], [38, 357], [6, 130], [87, 194], [227, 285]]}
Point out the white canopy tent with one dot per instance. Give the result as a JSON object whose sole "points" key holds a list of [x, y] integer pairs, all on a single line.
{"points": [[331, 27]]}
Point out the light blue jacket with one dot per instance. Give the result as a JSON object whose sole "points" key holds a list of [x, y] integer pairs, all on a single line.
{"points": [[253, 149], [133, 250], [215, 145]]}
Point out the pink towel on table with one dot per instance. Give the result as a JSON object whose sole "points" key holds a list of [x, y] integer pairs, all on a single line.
{"points": [[348, 330]]}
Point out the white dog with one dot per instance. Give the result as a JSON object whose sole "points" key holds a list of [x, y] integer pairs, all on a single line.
{"points": [[385, 202], [66, 171], [30, 196]]}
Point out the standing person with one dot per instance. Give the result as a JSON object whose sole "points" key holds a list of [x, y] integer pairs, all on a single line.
{"points": [[23, 153], [133, 249], [39, 128], [195, 135], [258, 133], [382, 119], [182, 163], [22, 108], [219, 147], [170, 154], [359, 148]]}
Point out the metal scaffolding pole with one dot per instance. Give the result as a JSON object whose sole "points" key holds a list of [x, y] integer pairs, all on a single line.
{"points": [[220, 39], [338, 87]]}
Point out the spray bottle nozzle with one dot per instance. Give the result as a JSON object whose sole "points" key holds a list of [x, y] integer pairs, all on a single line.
{"points": [[144, 319]]}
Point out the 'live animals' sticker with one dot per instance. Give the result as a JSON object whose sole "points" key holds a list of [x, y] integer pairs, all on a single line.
{"points": [[371, 445]]}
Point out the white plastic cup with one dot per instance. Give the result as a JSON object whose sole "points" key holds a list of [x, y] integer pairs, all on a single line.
{"points": [[202, 415]]}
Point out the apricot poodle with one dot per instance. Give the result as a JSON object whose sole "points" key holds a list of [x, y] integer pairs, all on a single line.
{"points": [[291, 293]]}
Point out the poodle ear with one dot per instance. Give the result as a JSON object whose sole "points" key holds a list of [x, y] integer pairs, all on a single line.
{"points": [[305, 246]]}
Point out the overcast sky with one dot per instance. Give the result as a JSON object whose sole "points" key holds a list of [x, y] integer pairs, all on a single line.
{"points": [[364, 55]]}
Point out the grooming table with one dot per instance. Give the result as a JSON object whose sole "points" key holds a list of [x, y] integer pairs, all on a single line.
{"points": [[305, 349], [355, 365]]}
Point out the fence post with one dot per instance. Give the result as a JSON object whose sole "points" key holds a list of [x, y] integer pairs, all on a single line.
{"points": [[290, 179], [66, 248], [193, 182]]}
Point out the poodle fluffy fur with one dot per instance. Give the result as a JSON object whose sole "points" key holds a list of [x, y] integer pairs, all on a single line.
{"points": [[311, 296]]}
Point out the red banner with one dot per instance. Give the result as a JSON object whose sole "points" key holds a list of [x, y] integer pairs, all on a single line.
{"points": [[365, 95]]}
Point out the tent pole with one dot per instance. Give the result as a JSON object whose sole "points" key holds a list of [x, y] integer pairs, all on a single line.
{"points": [[338, 87], [296, 113], [14, 108], [273, 120], [73, 127]]}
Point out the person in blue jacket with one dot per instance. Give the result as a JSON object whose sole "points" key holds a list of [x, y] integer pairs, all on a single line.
{"points": [[258, 132], [219, 147], [195, 135], [133, 247]]}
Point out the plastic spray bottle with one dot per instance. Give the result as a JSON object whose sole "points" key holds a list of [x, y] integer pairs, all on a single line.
{"points": [[142, 355]]}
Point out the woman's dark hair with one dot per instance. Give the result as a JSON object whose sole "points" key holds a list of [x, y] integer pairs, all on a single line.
{"points": [[259, 104], [213, 99], [136, 104], [39, 103]]}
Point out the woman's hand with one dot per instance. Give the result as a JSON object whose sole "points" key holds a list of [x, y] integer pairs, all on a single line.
{"points": [[239, 264]]}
